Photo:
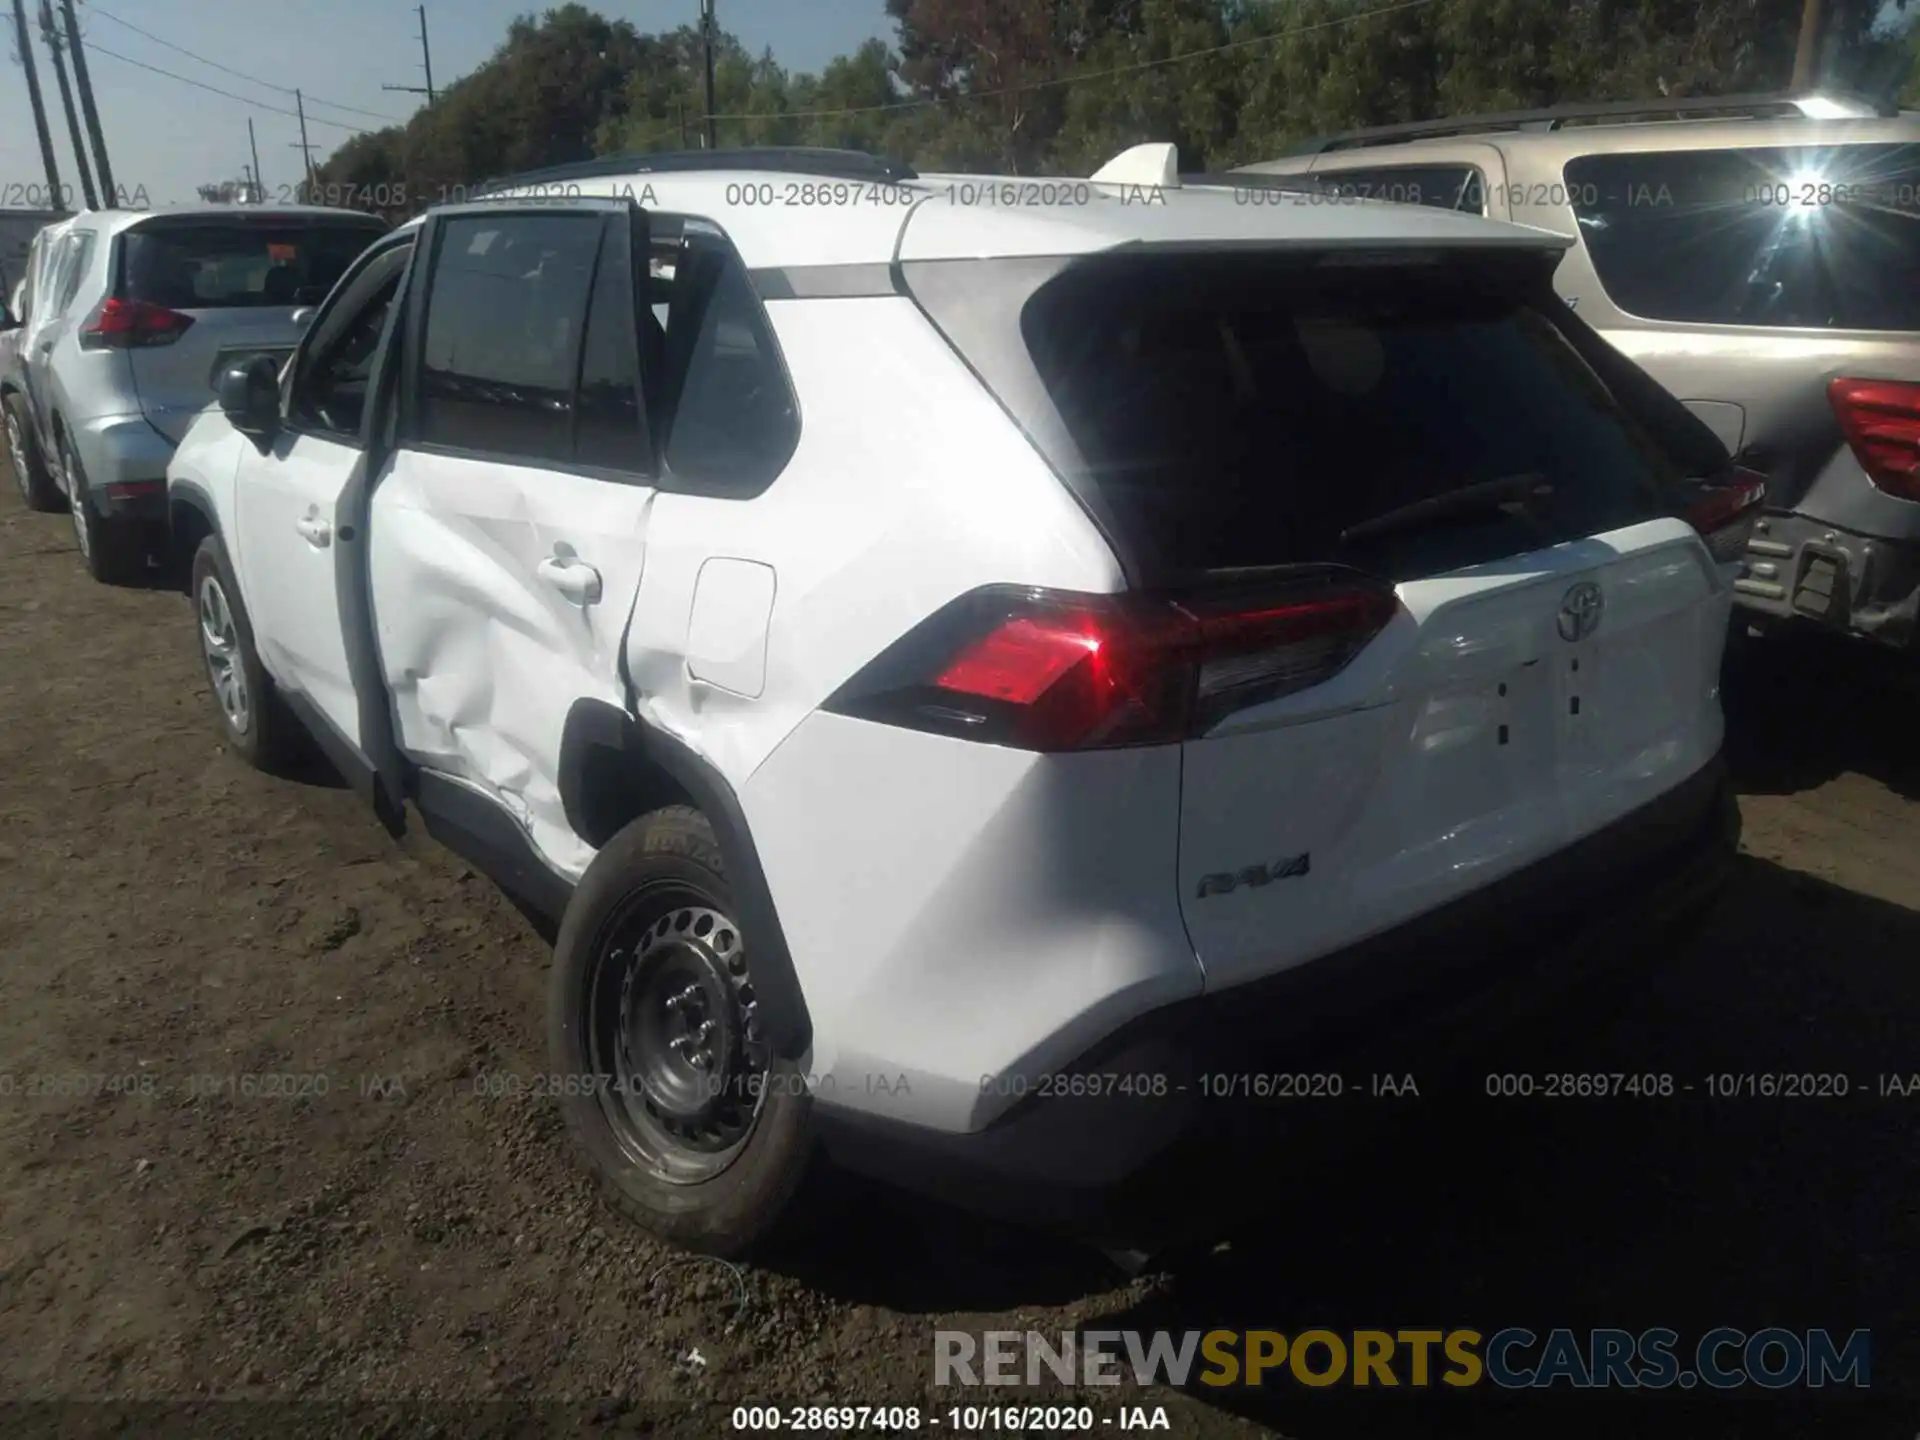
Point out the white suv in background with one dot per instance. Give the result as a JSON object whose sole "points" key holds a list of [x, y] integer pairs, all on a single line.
{"points": [[958, 675]]}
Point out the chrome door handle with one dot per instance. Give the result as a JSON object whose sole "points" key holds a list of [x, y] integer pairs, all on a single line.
{"points": [[572, 577], [317, 532]]}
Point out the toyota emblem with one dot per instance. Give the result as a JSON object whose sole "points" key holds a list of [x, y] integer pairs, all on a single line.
{"points": [[1580, 611]]}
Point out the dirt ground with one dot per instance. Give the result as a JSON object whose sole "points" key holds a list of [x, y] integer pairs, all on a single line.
{"points": [[167, 914]]}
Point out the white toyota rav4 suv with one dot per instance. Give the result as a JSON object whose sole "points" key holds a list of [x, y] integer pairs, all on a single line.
{"points": [[974, 673]]}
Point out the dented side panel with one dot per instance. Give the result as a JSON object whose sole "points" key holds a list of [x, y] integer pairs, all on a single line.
{"points": [[500, 595]]}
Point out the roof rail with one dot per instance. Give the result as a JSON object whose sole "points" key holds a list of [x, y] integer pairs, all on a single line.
{"points": [[1251, 180], [1824, 105], [798, 160]]}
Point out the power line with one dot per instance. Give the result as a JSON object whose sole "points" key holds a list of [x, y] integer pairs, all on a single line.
{"points": [[99, 49], [237, 74]]}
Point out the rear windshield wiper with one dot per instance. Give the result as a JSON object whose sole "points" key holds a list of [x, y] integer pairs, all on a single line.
{"points": [[1469, 499]]}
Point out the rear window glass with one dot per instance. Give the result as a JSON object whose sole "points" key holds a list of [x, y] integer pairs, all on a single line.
{"points": [[1825, 238], [208, 267], [1251, 411]]}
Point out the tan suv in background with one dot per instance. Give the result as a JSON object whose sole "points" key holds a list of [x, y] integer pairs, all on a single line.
{"points": [[1760, 257]]}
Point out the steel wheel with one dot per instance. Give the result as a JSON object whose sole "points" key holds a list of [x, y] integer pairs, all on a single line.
{"points": [[220, 644], [675, 1037]]}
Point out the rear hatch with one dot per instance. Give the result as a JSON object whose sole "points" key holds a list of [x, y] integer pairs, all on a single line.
{"points": [[1436, 554], [195, 293]]}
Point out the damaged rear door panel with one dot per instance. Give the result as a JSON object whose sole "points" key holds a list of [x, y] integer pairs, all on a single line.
{"points": [[508, 525]]}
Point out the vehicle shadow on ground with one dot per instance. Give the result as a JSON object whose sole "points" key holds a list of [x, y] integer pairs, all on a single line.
{"points": [[1460, 1210], [1802, 710]]}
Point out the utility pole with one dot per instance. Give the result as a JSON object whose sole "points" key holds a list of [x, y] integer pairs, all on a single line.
{"points": [[706, 45], [52, 37], [426, 62], [306, 150], [259, 192], [54, 193], [87, 107], [1807, 51], [426, 55]]}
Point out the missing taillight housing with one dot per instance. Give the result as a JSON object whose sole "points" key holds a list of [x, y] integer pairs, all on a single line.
{"points": [[120, 324], [1725, 511], [1881, 420], [1049, 670]]}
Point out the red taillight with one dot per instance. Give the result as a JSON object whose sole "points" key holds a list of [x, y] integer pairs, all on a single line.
{"points": [[1724, 513], [1881, 420], [1043, 670], [118, 324], [1022, 659]]}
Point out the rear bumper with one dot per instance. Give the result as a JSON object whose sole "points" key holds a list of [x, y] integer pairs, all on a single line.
{"points": [[1092, 1148], [124, 450], [1812, 573]]}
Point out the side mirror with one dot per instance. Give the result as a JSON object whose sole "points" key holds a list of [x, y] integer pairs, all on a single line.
{"points": [[304, 315], [250, 396]]}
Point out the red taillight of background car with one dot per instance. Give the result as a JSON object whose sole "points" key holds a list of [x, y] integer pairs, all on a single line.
{"points": [[118, 324], [1881, 420], [1724, 511], [1048, 670]]}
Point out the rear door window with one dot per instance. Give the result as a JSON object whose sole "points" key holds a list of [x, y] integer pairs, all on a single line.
{"points": [[1820, 238], [215, 266], [529, 351]]}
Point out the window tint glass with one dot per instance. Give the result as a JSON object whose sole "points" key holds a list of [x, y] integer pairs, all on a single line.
{"points": [[503, 333], [27, 281], [735, 422], [1253, 410], [1444, 187], [609, 432], [77, 261], [1823, 238], [229, 266], [57, 266], [332, 390]]}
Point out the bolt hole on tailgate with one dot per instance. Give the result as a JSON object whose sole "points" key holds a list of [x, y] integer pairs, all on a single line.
{"points": [[1435, 428]]}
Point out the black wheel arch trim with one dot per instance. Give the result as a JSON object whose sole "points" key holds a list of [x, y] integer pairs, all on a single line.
{"points": [[595, 724], [192, 495]]}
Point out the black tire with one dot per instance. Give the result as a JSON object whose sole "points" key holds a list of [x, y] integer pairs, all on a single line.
{"points": [[268, 737], [114, 551], [29, 465], [710, 1181]]}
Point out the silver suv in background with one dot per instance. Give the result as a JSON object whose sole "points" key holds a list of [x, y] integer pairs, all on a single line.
{"points": [[130, 319], [1760, 257]]}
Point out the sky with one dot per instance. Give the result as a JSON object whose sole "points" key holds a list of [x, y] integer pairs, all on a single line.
{"points": [[170, 137]]}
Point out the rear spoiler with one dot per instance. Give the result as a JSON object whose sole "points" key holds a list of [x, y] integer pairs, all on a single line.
{"points": [[1156, 165]]}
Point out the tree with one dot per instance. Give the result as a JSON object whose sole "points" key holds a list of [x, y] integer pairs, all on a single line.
{"points": [[1060, 86]]}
